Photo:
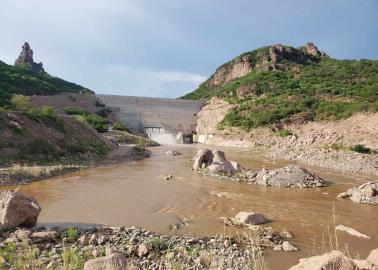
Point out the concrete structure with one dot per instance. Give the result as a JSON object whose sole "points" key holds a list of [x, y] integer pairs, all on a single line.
{"points": [[163, 119]]}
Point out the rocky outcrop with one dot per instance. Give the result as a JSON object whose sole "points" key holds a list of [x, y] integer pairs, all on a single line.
{"points": [[334, 260], [291, 176], [310, 48], [268, 58], [115, 261], [215, 162], [26, 57], [366, 193], [251, 218], [17, 209]]}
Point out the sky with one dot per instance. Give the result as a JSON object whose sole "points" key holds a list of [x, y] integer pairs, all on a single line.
{"points": [[166, 48]]}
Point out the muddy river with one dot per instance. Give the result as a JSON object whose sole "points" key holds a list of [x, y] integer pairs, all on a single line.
{"points": [[134, 193]]}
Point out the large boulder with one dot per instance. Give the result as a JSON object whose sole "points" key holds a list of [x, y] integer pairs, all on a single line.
{"points": [[250, 218], [334, 260], [366, 193], [215, 161], [373, 257], [17, 209], [114, 261], [290, 176], [202, 159]]}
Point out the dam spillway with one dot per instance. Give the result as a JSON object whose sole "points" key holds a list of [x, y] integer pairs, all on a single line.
{"points": [[162, 119]]}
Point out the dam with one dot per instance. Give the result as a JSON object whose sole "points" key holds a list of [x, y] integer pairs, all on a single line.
{"points": [[165, 120]]}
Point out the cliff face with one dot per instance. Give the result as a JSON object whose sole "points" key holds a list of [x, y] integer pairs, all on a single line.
{"points": [[265, 59]]}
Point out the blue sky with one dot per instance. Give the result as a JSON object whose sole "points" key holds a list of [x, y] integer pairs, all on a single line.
{"points": [[167, 47]]}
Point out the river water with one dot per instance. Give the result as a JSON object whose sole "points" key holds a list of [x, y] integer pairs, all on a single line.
{"points": [[134, 193]]}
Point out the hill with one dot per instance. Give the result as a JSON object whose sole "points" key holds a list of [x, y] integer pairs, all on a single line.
{"points": [[29, 78], [282, 84]]}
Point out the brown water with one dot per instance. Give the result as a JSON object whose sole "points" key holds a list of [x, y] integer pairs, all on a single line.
{"points": [[134, 193]]}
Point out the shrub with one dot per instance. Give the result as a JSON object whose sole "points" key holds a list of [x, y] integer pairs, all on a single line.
{"points": [[71, 232], [284, 133], [157, 244], [39, 147], [76, 111], [47, 111], [20, 102], [104, 112], [120, 126], [360, 148], [99, 104]]}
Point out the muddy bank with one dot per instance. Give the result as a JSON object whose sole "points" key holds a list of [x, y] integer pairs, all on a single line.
{"points": [[326, 144]]}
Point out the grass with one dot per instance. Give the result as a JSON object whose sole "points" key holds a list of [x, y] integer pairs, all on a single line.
{"points": [[71, 233], [284, 133], [73, 259]]}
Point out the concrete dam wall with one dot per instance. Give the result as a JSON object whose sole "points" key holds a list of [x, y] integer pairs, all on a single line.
{"points": [[164, 120]]}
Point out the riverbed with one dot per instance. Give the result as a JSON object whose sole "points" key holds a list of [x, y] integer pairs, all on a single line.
{"points": [[136, 193]]}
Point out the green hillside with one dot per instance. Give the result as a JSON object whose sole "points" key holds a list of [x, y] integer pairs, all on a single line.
{"points": [[32, 80], [292, 85]]}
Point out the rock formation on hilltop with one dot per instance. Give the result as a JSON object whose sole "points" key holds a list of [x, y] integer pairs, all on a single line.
{"points": [[26, 57], [275, 57]]}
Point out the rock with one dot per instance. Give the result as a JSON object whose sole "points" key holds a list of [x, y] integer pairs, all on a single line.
{"points": [[286, 234], [68, 240], [373, 257], [168, 177], [102, 239], [313, 50], [23, 234], [365, 265], [334, 260], [142, 250], [251, 218], [115, 261], [14, 124], [83, 240], [215, 162], [203, 157], [291, 176], [351, 231], [110, 250], [286, 246], [44, 236], [172, 153], [26, 55], [17, 209], [366, 193]]}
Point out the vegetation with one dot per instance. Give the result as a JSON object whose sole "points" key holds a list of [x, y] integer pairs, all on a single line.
{"points": [[284, 133], [360, 148], [322, 89], [71, 232], [157, 244], [120, 126], [98, 122], [32, 80]]}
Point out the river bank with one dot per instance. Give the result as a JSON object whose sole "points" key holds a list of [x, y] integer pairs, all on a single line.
{"points": [[328, 144], [18, 174]]}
